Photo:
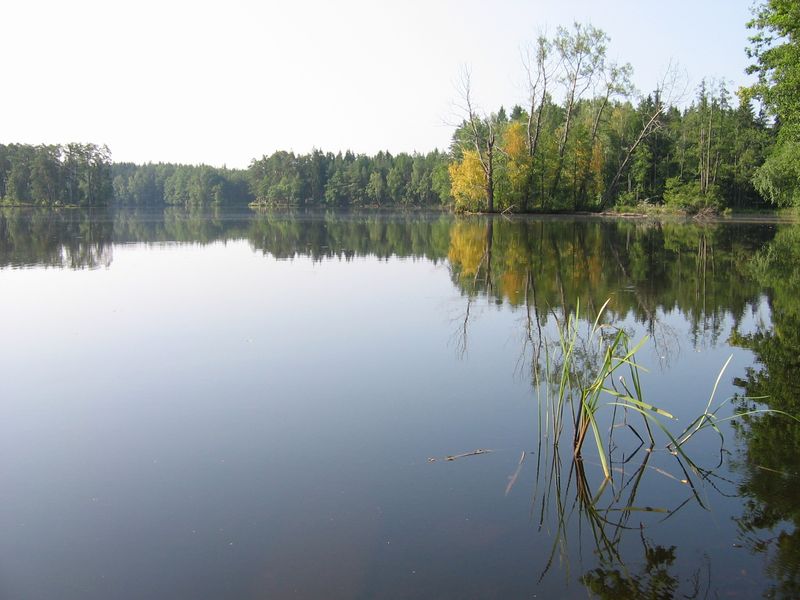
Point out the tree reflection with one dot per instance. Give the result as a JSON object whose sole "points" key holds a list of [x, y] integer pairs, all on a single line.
{"points": [[68, 238], [547, 267], [548, 271], [648, 269], [770, 455], [543, 269], [538, 265], [653, 582]]}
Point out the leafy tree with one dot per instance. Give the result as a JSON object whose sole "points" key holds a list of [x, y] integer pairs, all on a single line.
{"points": [[376, 188], [53, 175], [591, 152], [582, 53], [775, 46], [477, 135], [468, 182]]}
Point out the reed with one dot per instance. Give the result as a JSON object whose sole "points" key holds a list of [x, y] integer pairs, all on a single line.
{"points": [[588, 388], [581, 397]]}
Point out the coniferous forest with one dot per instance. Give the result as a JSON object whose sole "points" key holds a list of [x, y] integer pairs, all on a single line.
{"points": [[584, 140]]}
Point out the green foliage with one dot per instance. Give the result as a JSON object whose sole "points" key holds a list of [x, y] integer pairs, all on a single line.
{"points": [[775, 46], [55, 175], [770, 459], [286, 179], [706, 155], [588, 153], [178, 185], [689, 196], [289, 179], [778, 179]]}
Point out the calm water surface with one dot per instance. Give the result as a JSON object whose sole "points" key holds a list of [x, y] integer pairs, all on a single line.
{"points": [[261, 406]]}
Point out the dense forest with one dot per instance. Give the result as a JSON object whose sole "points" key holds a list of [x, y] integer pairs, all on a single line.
{"points": [[53, 175], [597, 148], [584, 140], [350, 180], [594, 153], [289, 179], [178, 185]]}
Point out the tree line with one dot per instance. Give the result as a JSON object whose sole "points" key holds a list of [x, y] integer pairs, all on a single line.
{"points": [[166, 184], [84, 175], [594, 148], [54, 175], [597, 147], [325, 179], [318, 179]]}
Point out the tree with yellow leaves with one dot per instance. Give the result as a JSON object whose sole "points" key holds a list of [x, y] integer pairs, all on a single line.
{"points": [[467, 181]]}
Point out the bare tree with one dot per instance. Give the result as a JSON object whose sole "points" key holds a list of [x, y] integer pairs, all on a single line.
{"points": [[582, 56], [481, 134], [539, 67]]}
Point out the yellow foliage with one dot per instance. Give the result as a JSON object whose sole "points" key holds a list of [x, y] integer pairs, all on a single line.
{"points": [[514, 142], [467, 246], [512, 286], [468, 181], [518, 167]]}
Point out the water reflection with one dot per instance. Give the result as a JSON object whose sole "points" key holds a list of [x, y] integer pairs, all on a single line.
{"points": [[645, 468], [653, 580], [659, 277], [698, 269], [60, 238], [768, 456]]}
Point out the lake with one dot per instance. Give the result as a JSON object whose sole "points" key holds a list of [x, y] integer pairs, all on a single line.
{"points": [[360, 405]]}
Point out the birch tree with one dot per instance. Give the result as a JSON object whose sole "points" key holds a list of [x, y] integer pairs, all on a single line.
{"points": [[582, 57], [479, 135]]}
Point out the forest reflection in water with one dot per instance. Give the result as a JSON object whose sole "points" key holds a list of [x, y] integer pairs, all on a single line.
{"points": [[715, 275]]}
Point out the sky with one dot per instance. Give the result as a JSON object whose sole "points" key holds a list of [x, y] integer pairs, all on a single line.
{"points": [[222, 83]]}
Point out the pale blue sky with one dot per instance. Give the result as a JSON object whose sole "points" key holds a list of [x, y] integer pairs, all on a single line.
{"points": [[223, 83]]}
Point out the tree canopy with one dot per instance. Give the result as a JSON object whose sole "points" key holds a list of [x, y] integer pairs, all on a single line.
{"points": [[54, 175], [581, 140], [601, 145], [775, 47]]}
